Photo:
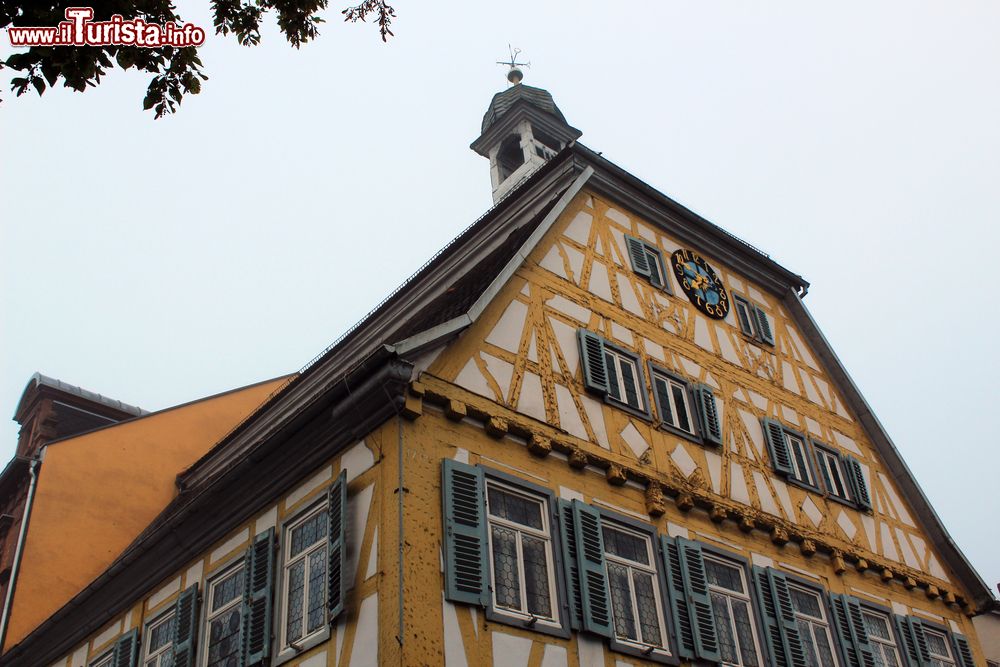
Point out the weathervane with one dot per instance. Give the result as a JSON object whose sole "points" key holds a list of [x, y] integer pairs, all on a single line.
{"points": [[515, 74]]}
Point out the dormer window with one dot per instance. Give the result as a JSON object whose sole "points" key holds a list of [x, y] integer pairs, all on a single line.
{"points": [[510, 156]]}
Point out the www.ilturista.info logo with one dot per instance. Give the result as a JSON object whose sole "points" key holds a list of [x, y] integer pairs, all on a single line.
{"points": [[79, 30]]}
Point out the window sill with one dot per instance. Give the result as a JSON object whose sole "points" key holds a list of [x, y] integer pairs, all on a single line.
{"points": [[681, 433], [638, 412], [656, 655], [794, 481], [288, 653], [544, 627], [844, 501]]}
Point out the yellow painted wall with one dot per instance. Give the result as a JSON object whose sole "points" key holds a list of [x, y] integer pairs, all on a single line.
{"points": [[97, 492]]}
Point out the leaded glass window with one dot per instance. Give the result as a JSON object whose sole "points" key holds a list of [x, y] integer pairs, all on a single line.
{"points": [[880, 638], [733, 612], [104, 661], [520, 553], [224, 619], [305, 575], [635, 591], [159, 642], [939, 648], [814, 627]]}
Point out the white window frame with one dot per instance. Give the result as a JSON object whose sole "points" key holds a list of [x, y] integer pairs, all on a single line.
{"points": [[751, 317], [650, 569], [286, 566], [617, 357], [817, 624], [831, 462], [210, 615], [937, 659], [105, 660], [881, 643], [731, 595], [803, 475], [545, 534], [147, 637], [671, 383]]}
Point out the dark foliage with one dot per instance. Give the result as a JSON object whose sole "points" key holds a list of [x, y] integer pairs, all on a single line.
{"points": [[176, 71]]}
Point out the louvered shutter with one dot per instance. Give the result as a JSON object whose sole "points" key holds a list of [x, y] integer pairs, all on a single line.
{"points": [[571, 569], [464, 504], [637, 253], [595, 370], [706, 636], [911, 633], [257, 605], [763, 326], [185, 640], [859, 487], [126, 650], [851, 631], [963, 652], [336, 547], [777, 447], [594, 594], [708, 414], [679, 613], [779, 618], [743, 315]]}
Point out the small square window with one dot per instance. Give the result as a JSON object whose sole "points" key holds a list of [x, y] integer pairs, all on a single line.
{"points": [[624, 378], [305, 576], [636, 609], [223, 618], [521, 558], [673, 402], [159, 636], [647, 261], [834, 476]]}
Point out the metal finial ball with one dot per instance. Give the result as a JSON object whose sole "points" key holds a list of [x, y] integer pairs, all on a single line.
{"points": [[515, 75]]}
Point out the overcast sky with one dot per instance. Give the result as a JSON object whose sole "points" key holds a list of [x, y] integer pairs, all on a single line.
{"points": [[858, 143]]}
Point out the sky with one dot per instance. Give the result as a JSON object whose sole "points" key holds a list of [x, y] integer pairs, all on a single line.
{"points": [[857, 143]]}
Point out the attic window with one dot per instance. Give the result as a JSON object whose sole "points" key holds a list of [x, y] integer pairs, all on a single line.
{"points": [[510, 156]]}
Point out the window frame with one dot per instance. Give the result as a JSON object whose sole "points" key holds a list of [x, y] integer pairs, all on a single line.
{"points": [[820, 449], [751, 306], [887, 614], [931, 627], [628, 524], [642, 391], [207, 615], [560, 627], [655, 255], [710, 552], [147, 635], [795, 581], [809, 456], [694, 419], [105, 659]]}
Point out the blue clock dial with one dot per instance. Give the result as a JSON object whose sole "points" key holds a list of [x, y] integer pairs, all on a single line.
{"points": [[699, 282]]}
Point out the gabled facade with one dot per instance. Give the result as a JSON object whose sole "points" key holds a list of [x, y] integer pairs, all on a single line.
{"points": [[595, 430]]}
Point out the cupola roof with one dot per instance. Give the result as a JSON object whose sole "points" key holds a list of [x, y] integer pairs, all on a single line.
{"points": [[502, 102]]}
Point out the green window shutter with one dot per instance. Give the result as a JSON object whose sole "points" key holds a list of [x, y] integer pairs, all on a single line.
{"points": [[464, 509], [706, 636], [259, 578], [763, 326], [594, 594], [637, 253], [851, 631], [963, 652], [779, 618], [908, 649], [186, 627], [336, 547], [708, 414], [679, 613], [744, 314], [595, 370], [859, 488], [126, 650], [571, 570], [916, 632], [777, 447]]}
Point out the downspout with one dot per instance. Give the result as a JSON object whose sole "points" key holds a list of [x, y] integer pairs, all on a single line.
{"points": [[399, 529], [33, 472]]}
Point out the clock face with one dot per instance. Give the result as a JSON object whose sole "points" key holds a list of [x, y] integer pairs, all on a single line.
{"points": [[700, 283]]}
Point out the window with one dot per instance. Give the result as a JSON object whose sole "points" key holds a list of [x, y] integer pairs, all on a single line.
{"points": [[647, 261], [635, 591], [159, 650], [305, 576], [814, 628], [833, 475], [673, 402], [753, 320], [520, 553], [624, 380], [106, 660], [789, 452], [939, 648], [223, 619], [734, 619], [880, 639]]}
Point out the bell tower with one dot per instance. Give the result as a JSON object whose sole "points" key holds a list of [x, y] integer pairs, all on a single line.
{"points": [[522, 129]]}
